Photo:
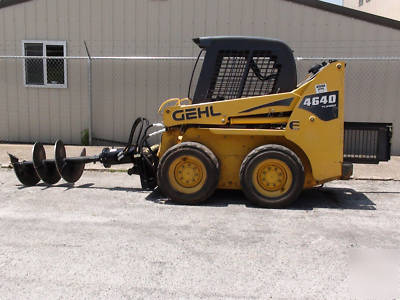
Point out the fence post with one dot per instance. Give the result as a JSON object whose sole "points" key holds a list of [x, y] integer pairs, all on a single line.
{"points": [[89, 94]]}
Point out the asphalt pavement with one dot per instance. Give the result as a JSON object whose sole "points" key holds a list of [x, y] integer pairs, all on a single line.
{"points": [[106, 238]]}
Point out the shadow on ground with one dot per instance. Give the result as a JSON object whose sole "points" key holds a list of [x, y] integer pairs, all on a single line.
{"points": [[334, 198], [69, 186]]}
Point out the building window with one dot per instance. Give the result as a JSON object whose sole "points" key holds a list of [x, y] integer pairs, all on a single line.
{"points": [[47, 68], [360, 2]]}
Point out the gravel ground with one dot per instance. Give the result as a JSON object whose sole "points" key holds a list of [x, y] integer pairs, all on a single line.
{"points": [[105, 238]]}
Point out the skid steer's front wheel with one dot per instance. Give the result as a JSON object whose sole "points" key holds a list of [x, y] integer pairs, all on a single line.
{"points": [[188, 173], [272, 176]]}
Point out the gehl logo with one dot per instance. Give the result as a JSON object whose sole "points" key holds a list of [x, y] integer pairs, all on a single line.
{"points": [[194, 113]]}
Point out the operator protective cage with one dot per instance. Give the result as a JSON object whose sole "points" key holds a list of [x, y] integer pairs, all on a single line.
{"points": [[237, 67]]}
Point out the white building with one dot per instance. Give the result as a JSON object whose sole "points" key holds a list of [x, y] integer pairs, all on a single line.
{"points": [[43, 100], [385, 8]]}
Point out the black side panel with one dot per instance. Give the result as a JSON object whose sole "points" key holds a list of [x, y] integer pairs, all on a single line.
{"points": [[367, 143], [236, 67]]}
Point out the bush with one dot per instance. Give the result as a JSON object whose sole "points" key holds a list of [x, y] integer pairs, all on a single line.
{"points": [[85, 137]]}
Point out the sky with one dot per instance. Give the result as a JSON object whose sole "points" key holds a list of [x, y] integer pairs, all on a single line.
{"points": [[334, 1]]}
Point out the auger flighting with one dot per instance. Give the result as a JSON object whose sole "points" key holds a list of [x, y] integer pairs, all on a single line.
{"points": [[50, 171]]}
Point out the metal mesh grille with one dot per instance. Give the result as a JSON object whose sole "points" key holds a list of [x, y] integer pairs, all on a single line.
{"points": [[34, 71], [360, 144], [34, 67], [226, 82], [239, 74], [262, 75], [55, 71], [55, 67], [366, 142]]}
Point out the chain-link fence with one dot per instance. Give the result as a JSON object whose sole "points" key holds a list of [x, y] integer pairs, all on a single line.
{"points": [[46, 98], [45, 72], [371, 88], [43, 99]]}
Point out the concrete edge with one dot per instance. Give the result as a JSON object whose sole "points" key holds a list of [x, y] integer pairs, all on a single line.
{"points": [[107, 170]]}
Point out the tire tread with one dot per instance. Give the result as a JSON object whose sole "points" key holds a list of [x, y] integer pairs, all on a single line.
{"points": [[265, 148], [181, 147]]}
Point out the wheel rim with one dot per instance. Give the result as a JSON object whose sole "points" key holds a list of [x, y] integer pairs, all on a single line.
{"points": [[272, 178], [187, 174]]}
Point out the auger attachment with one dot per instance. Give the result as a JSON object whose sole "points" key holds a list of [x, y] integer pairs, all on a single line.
{"points": [[70, 170], [137, 151], [50, 171], [45, 168], [25, 171]]}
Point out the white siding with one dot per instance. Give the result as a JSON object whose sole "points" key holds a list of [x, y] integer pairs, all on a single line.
{"points": [[124, 90], [384, 8]]}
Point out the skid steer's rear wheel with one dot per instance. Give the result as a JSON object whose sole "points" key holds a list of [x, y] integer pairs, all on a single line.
{"points": [[188, 173], [272, 176]]}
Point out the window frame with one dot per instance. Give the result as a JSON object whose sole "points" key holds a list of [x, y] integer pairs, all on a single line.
{"points": [[45, 43]]}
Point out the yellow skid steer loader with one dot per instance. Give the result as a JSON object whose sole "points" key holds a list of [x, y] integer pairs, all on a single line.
{"points": [[249, 126]]}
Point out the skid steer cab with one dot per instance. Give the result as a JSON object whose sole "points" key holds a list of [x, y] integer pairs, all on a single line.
{"points": [[249, 126]]}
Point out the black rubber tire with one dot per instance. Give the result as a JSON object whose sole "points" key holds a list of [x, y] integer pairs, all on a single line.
{"points": [[276, 152], [206, 156]]}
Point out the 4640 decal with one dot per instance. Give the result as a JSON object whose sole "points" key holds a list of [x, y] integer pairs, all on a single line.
{"points": [[317, 100], [323, 105]]}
